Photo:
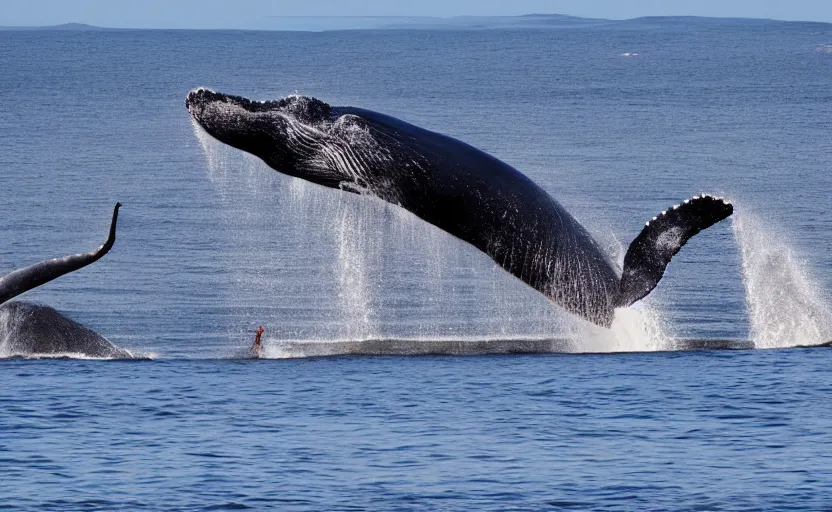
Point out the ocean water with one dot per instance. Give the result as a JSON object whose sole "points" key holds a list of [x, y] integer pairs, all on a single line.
{"points": [[617, 122]]}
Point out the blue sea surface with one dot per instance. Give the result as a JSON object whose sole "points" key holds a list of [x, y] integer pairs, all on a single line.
{"points": [[617, 122], [715, 431]]}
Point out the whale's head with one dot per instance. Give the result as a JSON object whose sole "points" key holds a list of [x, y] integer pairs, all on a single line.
{"points": [[223, 114], [286, 133]]}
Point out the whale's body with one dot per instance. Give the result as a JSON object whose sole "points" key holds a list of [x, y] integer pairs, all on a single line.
{"points": [[28, 329], [458, 188]]}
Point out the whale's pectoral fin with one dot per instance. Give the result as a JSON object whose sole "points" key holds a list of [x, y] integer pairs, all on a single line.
{"points": [[25, 279], [661, 239]]}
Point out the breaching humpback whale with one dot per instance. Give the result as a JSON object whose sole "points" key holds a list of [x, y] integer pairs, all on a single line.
{"points": [[458, 188], [27, 329]]}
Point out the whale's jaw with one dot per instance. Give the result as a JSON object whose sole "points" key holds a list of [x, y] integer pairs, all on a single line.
{"points": [[288, 134]]}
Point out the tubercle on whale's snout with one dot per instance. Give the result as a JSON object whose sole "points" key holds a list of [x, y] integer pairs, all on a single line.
{"points": [[303, 108], [199, 97], [202, 97]]}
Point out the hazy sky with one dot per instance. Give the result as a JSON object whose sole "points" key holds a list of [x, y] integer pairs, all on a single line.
{"points": [[256, 13]]}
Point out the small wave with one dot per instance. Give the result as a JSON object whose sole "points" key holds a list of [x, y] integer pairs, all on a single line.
{"points": [[290, 349], [86, 357], [297, 349], [628, 54], [824, 48]]}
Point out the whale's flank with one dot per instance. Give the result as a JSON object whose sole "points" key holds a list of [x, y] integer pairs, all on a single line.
{"points": [[28, 329]]}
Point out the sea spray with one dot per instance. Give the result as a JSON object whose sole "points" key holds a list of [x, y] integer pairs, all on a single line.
{"points": [[785, 307], [328, 227], [642, 327], [357, 257], [6, 323], [232, 172], [639, 328]]}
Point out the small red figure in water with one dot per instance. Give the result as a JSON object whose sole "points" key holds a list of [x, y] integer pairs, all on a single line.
{"points": [[257, 347]]}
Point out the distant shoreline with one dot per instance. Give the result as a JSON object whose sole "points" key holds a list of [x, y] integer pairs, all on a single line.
{"points": [[529, 21]]}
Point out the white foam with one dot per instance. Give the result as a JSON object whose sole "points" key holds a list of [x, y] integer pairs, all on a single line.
{"points": [[354, 267], [642, 327], [638, 328], [7, 354], [784, 304]]}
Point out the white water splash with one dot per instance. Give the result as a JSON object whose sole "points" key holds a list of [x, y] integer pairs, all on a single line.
{"points": [[77, 355], [354, 266], [228, 168], [6, 323], [635, 329], [254, 197], [642, 327], [638, 328], [785, 307]]}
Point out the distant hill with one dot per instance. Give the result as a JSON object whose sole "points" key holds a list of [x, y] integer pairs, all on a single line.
{"points": [[526, 21], [699, 20], [486, 22], [74, 27], [536, 21], [430, 22]]}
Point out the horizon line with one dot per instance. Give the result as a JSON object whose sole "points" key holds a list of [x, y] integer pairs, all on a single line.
{"points": [[411, 17]]}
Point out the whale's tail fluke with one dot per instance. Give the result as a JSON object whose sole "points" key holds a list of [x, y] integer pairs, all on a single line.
{"points": [[661, 239], [25, 279]]}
